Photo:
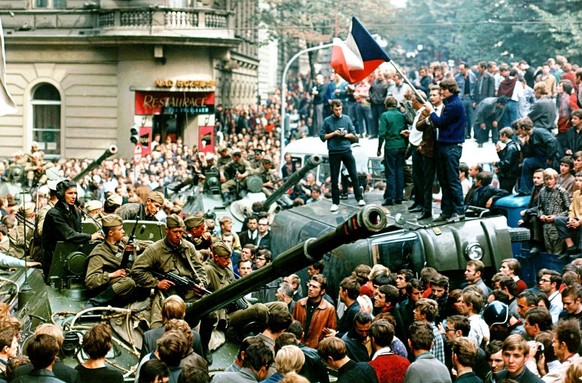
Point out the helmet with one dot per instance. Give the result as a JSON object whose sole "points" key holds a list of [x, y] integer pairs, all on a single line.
{"points": [[496, 313]]}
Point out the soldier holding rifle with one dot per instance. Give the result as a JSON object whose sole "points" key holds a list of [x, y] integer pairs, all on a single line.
{"points": [[170, 254]]}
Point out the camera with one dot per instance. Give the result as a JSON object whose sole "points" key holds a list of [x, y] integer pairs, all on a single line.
{"points": [[342, 131]]}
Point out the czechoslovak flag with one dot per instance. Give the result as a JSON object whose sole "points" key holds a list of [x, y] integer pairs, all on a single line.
{"points": [[358, 56]]}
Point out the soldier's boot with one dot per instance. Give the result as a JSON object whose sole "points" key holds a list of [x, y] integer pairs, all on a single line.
{"points": [[103, 299], [226, 198]]}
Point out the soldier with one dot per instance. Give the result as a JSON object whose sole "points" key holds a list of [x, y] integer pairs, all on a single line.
{"points": [[105, 274], [19, 244], [94, 210], [268, 176], [170, 254], [145, 211], [35, 166], [258, 160], [48, 190], [63, 223], [223, 158], [232, 174], [197, 233]]}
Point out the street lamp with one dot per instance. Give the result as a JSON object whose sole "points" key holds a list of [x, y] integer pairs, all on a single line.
{"points": [[284, 88]]}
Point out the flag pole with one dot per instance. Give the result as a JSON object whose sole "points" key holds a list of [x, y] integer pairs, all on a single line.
{"points": [[406, 80]]}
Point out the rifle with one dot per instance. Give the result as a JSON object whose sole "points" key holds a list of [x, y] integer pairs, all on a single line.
{"points": [[127, 253], [185, 284]]}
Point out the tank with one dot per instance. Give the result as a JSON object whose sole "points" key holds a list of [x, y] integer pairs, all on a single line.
{"points": [[368, 221], [64, 302], [209, 199], [111, 150]]}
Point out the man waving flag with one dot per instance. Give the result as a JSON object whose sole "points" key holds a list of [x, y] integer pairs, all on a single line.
{"points": [[358, 56], [7, 104]]}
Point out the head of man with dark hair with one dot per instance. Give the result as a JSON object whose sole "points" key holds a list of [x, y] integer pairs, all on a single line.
{"points": [[42, 351], [278, 322], [507, 284], [9, 334], [172, 347], [414, 290], [316, 268], [494, 356], [572, 302], [332, 351], [258, 358], [456, 327], [381, 334], [421, 337], [385, 298], [361, 326], [550, 282], [244, 345], [97, 341], [402, 278], [474, 271], [154, 371], [525, 301], [567, 340], [350, 288], [193, 374]]}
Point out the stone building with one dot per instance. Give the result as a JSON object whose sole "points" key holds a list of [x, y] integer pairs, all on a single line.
{"points": [[83, 72]]}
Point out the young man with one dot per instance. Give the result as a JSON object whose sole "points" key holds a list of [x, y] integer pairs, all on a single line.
{"points": [[426, 310], [426, 368], [315, 313], [42, 351], [339, 132], [507, 168], [512, 268], [553, 202], [473, 275], [451, 124], [565, 178], [530, 218], [464, 357], [258, 358], [566, 344], [549, 284], [515, 352], [572, 303], [389, 367], [333, 351], [568, 227]]}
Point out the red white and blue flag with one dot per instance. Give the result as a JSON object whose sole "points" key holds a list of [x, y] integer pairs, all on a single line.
{"points": [[358, 56]]}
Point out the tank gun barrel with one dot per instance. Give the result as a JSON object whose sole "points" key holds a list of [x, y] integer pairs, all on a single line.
{"points": [[294, 178], [368, 221], [111, 150]]}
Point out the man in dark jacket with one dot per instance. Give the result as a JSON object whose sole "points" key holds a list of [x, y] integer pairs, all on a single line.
{"points": [[539, 148], [482, 193], [449, 147], [63, 223], [507, 168]]}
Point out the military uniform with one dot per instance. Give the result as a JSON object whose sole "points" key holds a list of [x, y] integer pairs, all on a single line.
{"points": [[218, 277], [36, 252], [18, 243], [162, 257], [133, 211], [222, 161], [231, 170], [104, 259], [267, 175]]}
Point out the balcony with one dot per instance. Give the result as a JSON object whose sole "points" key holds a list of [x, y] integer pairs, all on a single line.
{"points": [[137, 23]]}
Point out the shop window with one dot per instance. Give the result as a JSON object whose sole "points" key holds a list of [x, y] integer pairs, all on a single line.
{"points": [[46, 120], [53, 4]]}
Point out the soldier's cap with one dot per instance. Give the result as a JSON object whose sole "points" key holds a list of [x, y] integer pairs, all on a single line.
{"points": [[220, 248], [267, 160], [93, 205], [193, 221], [173, 221], [221, 148], [27, 209], [156, 197], [115, 199], [112, 220], [52, 184], [236, 152]]}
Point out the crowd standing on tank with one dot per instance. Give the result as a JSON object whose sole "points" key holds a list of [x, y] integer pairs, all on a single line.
{"points": [[385, 325]]}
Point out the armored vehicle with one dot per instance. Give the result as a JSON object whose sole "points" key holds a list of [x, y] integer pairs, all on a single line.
{"points": [[63, 301], [401, 244]]}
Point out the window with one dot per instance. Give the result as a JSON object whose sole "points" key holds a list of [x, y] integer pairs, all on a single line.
{"points": [[53, 4], [399, 250], [46, 125]]}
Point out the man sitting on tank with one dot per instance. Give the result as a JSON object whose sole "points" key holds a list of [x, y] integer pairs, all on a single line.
{"points": [[170, 254], [232, 176], [145, 211], [107, 278], [63, 223], [268, 176]]}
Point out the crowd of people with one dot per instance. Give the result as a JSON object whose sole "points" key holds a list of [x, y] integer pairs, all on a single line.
{"points": [[385, 325]]}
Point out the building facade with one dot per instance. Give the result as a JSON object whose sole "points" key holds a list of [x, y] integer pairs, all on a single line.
{"points": [[83, 73]]}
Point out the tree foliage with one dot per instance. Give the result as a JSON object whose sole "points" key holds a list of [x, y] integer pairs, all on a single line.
{"points": [[467, 30]]}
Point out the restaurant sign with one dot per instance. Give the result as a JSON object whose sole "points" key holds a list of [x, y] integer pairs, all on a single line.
{"points": [[147, 103]]}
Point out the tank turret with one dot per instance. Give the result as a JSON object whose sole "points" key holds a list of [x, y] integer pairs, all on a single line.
{"points": [[111, 150], [366, 222], [293, 179]]}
